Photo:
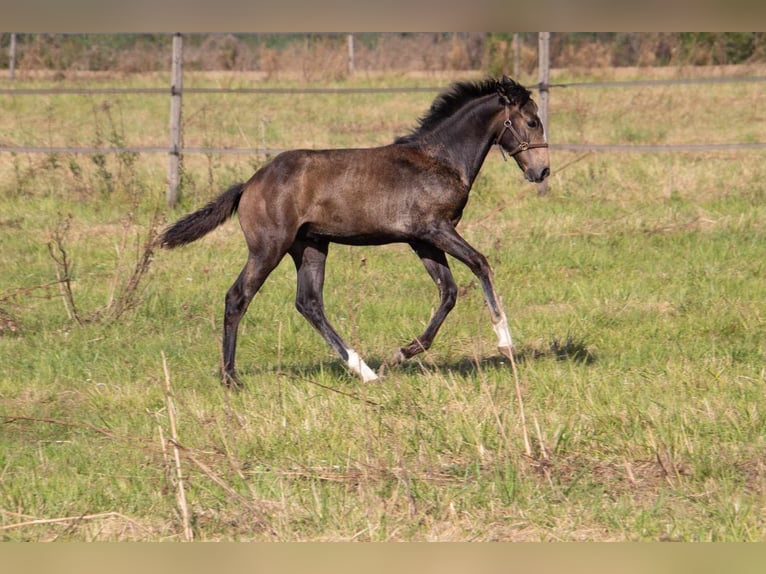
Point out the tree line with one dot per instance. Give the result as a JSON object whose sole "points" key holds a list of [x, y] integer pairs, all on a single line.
{"points": [[271, 52]]}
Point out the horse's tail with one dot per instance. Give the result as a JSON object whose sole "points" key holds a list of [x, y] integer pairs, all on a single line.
{"points": [[204, 220]]}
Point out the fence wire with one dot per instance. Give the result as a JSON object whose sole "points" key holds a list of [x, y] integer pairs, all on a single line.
{"points": [[164, 91], [268, 152]]}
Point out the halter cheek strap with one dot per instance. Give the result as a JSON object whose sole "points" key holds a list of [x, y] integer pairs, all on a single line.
{"points": [[523, 145]]}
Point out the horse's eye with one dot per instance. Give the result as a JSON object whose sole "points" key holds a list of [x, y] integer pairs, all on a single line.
{"points": [[532, 124]]}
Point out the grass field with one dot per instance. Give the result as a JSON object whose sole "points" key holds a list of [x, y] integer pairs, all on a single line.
{"points": [[635, 293]]}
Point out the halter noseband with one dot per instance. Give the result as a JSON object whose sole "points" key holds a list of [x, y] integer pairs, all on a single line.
{"points": [[522, 145]]}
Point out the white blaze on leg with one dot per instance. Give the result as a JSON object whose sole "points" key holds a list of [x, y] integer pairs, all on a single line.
{"points": [[503, 332], [356, 364]]}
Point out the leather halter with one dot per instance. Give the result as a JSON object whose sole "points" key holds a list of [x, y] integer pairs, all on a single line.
{"points": [[522, 145]]}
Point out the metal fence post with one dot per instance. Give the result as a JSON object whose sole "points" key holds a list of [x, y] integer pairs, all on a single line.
{"points": [[544, 79], [176, 88]]}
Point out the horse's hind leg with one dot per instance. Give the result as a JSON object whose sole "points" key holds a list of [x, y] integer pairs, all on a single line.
{"points": [[309, 258], [253, 274], [436, 264]]}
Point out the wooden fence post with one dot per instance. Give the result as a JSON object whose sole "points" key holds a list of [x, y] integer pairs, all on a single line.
{"points": [[544, 76], [351, 63], [12, 57], [176, 88], [516, 56]]}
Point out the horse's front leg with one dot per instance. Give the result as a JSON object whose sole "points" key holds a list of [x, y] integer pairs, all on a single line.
{"points": [[444, 236]]}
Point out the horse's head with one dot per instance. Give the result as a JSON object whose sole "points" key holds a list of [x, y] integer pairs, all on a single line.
{"points": [[520, 131]]}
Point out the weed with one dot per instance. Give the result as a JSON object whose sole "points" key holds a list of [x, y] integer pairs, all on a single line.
{"points": [[124, 294], [113, 134]]}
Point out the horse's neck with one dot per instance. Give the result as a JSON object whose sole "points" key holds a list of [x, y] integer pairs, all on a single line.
{"points": [[463, 140]]}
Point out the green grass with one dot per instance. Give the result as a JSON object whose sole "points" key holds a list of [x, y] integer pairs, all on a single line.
{"points": [[634, 291]]}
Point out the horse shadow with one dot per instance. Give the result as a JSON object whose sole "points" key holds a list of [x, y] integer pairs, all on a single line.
{"points": [[567, 349]]}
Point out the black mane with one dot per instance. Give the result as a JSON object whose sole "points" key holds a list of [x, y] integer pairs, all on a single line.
{"points": [[458, 94]]}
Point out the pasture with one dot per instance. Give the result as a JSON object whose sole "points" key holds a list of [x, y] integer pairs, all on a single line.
{"points": [[635, 293]]}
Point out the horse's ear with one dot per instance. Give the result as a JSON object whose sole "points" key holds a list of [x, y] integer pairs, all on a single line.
{"points": [[513, 92], [502, 84], [507, 82]]}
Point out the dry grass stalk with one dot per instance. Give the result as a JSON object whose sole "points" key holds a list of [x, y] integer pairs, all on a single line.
{"points": [[127, 298], [121, 298], [181, 492], [517, 383], [106, 432], [543, 451], [63, 268], [207, 471], [70, 519], [9, 321]]}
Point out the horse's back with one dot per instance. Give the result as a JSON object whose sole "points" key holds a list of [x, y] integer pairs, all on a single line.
{"points": [[364, 195]]}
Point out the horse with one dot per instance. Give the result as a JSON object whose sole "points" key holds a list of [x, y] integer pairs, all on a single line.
{"points": [[411, 191]]}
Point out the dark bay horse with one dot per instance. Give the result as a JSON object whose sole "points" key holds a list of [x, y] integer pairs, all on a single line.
{"points": [[411, 191]]}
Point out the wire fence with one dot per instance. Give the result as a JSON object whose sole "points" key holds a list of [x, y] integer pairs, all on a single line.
{"points": [[245, 91], [175, 149], [260, 151], [164, 91], [379, 90]]}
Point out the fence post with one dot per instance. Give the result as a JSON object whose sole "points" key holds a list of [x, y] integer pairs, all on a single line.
{"points": [[351, 63], [176, 88], [12, 57], [544, 76], [516, 56]]}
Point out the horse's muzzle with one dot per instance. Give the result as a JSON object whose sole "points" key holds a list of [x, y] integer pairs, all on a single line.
{"points": [[537, 175]]}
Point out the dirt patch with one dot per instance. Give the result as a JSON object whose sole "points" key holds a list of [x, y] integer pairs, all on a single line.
{"points": [[9, 325], [639, 479]]}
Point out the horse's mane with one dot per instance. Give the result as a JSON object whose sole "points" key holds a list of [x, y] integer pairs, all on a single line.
{"points": [[458, 94]]}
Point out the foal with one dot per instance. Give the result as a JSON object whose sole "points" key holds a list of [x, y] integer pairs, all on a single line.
{"points": [[411, 191]]}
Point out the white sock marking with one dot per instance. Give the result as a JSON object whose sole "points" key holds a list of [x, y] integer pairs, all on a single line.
{"points": [[503, 332], [356, 364]]}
